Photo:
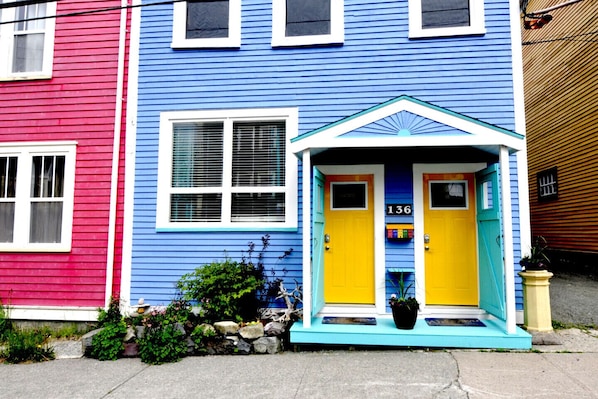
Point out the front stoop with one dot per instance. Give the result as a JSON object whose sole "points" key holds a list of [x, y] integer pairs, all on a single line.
{"points": [[385, 333]]}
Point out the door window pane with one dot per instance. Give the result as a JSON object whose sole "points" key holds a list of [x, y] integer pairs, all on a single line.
{"points": [[349, 195], [448, 194]]}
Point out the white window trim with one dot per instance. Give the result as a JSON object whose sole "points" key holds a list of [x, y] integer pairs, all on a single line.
{"points": [[167, 121], [476, 16], [24, 152], [179, 29], [337, 27], [7, 43]]}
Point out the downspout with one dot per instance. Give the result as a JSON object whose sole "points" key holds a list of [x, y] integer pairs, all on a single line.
{"points": [[116, 151]]}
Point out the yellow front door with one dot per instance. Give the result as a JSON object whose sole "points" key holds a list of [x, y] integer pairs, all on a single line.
{"points": [[450, 239], [349, 239]]}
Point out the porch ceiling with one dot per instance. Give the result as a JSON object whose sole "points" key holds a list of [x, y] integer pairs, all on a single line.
{"points": [[405, 122]]}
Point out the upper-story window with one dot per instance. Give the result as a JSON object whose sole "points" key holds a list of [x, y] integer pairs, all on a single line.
{"points": [[36, 196], [434, 18], [228, 169], [207, 23], [307, 22], [27, 41]]}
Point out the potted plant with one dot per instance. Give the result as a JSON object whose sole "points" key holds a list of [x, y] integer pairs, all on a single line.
{"points": [[404, 308], [537, 259]]}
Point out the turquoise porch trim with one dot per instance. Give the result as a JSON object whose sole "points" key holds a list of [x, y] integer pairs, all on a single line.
{"points": [[385, 333]]}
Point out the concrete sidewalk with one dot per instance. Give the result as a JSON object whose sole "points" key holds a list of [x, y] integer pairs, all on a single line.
{"points": [[323, 374]]}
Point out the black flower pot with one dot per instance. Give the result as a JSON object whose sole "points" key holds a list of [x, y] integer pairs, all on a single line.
{"points": [[404, 316]]}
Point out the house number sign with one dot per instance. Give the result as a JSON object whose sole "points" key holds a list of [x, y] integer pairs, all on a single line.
{"points": [[399, 209]]}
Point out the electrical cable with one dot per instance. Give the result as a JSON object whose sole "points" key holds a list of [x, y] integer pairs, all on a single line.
{"points": [[570, 38], [87, 12]]}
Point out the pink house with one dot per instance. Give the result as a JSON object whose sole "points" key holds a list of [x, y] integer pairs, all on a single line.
{"points": [[62, 116]]}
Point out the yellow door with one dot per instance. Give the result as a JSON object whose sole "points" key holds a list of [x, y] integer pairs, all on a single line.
{"points": [[349, 239], [450, 239]]}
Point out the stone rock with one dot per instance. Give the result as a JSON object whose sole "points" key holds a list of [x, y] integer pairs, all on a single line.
{"points": [[139, 331], [226, 327], [87, 339], [274, 328], [269, 345], [243, 347], [130, 335], [252, 331], [220, 347]]}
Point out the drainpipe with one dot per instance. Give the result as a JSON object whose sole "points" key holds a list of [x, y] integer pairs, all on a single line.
{"points": [[116, 151]]}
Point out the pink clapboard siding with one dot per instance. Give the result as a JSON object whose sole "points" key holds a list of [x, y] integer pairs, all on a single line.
{"points": [[77, 103]]}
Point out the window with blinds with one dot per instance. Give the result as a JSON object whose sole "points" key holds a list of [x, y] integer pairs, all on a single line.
{"points": [[240, 182]]}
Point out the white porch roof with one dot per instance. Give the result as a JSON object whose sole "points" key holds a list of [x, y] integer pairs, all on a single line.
{"points": [[407, 122]]}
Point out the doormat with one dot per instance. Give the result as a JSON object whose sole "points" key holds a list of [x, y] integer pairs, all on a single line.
{"points": [[434, 322], [364, 321]]}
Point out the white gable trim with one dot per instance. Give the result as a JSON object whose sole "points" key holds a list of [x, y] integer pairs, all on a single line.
{"points": [[480, 133]]}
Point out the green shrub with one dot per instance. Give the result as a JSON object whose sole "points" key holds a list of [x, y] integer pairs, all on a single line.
{"points": [[201, 335], [110, 316], [108, 343], [225, 290], [163, 339], [27, 346]]}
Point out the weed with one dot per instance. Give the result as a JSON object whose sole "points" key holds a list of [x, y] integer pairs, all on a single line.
{"points": [[27, 346]]}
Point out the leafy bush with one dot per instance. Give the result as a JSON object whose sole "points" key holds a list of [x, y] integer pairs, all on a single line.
{"points": [[108, 343], [230, 289], [163, 339], [225, 290], [27, 346], [201, 335], [110, 316]]}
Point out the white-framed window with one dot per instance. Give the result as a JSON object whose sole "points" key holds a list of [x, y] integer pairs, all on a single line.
{"points": [[207, 23], [435, 18], [307, 22], [36, 196], [548, 187], [27, 41], [228, 169]]}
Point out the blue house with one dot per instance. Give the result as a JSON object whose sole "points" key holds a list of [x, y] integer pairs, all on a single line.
{"points": [[378, 139]]}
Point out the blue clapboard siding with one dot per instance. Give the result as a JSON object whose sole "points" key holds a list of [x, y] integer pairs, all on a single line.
{"points": [[377, 62]]}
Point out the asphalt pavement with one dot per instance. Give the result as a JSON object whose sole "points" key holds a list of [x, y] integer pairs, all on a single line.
{"points": [[567, 368]]}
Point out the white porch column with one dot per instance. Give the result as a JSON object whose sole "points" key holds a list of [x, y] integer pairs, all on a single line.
{"points": [[307, 272], [507, 225]]}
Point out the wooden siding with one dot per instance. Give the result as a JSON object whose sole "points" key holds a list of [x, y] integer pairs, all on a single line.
{"points": [[561, 82], [78, 103], [377, 62]]}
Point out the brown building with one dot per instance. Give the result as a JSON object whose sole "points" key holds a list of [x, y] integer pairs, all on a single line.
{"points": [[561, 85]]}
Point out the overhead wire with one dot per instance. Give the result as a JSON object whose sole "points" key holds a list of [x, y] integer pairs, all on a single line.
{"points": [[86, 12]]}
